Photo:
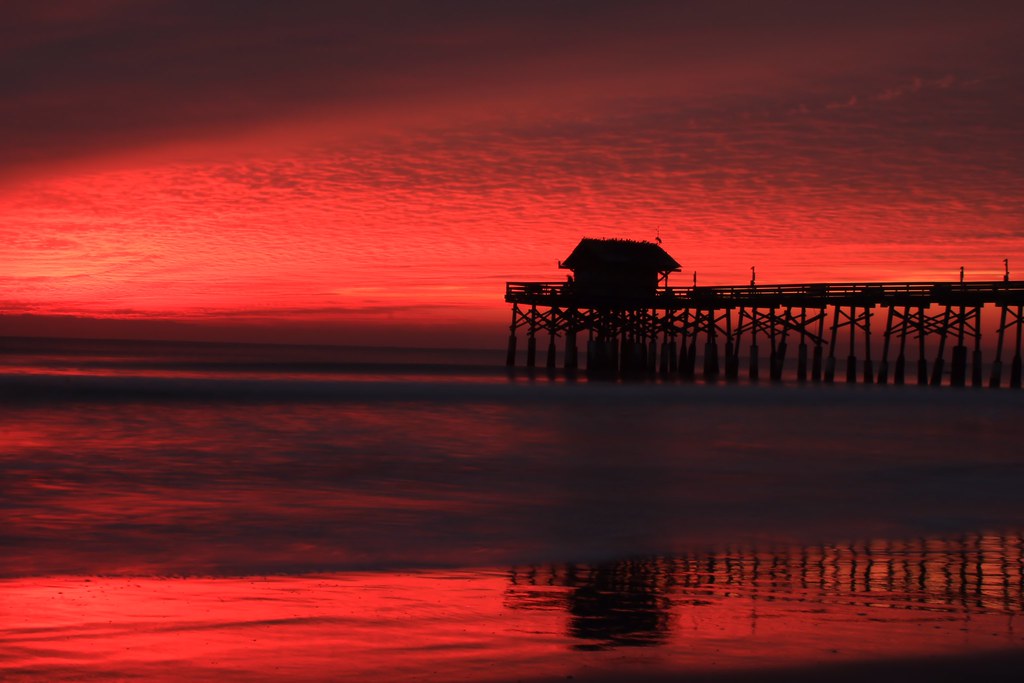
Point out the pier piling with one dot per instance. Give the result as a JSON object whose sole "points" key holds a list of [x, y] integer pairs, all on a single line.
{"points": [[818, 348], [922, 359], [801, 361], [883, 364], [940, 360], [510, 356], [899, 372], [976, 370], [1015, 367], [869, 370], [851, 360], [571, 354], [997, 364]]}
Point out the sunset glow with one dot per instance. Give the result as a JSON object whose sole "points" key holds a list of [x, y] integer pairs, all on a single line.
{"points": [[519, 623], [329, 172]]}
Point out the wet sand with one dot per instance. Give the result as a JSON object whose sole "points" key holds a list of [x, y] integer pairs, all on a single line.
{"points": [[1002, 665], [783, 615]]}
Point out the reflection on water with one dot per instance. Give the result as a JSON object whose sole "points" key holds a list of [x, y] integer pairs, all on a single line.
{"points": [[734, 610], [613, 604], [629, 602]]}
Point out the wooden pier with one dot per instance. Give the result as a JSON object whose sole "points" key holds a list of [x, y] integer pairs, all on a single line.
{"points": [[620, 306]]}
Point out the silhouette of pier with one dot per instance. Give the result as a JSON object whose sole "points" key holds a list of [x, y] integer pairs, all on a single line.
{"points": [[633, 322]]}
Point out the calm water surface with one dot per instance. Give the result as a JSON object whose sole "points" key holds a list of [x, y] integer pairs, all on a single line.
{"points": [[173, 515]]}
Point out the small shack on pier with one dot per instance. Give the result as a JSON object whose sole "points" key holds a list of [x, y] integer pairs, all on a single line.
{"points": [[617, 267]]}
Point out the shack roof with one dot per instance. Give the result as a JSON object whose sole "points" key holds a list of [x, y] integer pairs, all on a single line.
{"points": [[616, 253]]}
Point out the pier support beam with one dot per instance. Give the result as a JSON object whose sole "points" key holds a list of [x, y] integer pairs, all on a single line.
{"points": [[818, 350], [602, 356], [668, 357], [510, 356], [780, 359], [732, 363], [1015, 368], [633, 356], [976, 370], [779, 350], [711, 360], [922, 360], [689, 370], [830, 362], [958, 367], [901, 360], [572, 360], [939, 360], [851, 360], [869, 370], [801, 361], [732, 368], [684, 347], [801, 349], [997, 364], [883, 364], [753, 371]]}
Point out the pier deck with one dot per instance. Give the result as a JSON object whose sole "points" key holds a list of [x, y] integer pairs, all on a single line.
{"points": [[999, 292]]}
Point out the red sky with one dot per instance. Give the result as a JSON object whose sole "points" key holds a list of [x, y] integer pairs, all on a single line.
{"points": [[316, 171]]}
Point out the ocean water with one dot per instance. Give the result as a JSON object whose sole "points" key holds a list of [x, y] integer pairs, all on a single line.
{"points": [[184, 511]]}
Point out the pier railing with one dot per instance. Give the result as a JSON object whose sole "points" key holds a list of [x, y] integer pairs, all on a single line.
{"points": [[810, 295]]}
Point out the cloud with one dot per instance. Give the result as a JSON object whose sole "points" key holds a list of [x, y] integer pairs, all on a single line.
{"points": [[103, 79], [442, 217]]}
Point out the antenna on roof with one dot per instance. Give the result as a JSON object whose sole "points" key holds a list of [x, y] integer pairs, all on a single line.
{"points": [[657, 238]]}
